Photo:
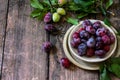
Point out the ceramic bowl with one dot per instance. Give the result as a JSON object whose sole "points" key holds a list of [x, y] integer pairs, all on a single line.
{"points": [[79, 63], [74, 52]]}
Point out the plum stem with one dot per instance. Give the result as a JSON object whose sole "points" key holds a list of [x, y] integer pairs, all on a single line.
{"points": [[50, 4]]}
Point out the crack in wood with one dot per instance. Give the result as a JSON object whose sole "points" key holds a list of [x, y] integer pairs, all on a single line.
{"points": [[4, 36]]}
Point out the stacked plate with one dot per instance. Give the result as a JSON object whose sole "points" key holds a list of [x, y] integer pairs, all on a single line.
{"points": [[88, 63]]}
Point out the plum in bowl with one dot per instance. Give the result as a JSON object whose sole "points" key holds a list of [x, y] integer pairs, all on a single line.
{"points": [[92, 41]]}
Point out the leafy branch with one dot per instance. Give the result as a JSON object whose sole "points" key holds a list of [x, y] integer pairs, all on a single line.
{"points": [[80, 8], [111, 65]]}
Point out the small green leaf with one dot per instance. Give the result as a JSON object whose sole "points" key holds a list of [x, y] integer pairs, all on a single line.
{"points": [[81, 15], [41, 16], [84, 3], [101, 67], [103, 10], [118, 32], [107, 22], [72, 21], [109, 3], [46, 2], [93, 11], [73, 7], [36, 4], [115, 69], [54, 2], [35, 13], [104, 74], [115, 60]]}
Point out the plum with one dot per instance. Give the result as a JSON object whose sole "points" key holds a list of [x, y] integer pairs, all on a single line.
{"points": [[90, 29], [56, 17], [101, 31], [75, 35], [65, 62], [82, 49], [99, 45], [100, 53], [91, 42], [75, 42], [48, 17], [86, 23], [47, 46], [61, 11], [49, 27], [107, 48], [84, 34], [62, 2], [97, 25], [90, 52], [106, 39]]}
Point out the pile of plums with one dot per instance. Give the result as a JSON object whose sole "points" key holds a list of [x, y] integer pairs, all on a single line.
{"points": [[92, 39]]}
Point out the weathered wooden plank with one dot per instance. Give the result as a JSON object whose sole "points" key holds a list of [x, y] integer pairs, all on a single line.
{"points": [[23, 57], [57, 72], [3, 23], [115, 20]]}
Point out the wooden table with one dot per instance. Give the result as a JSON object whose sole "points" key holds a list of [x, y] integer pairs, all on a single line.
{"points": [[21, 57]]}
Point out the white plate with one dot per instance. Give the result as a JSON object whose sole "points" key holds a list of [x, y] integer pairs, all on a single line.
{"points": [[74, 52], [80, 63]]}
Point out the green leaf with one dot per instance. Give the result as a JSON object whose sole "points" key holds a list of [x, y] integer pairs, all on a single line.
{"points": [[115, 60], [93, 11], [84, 2], [73, 7], [85, 5], [115, 69], [107, 22], [109, 3], [72, 21], [104, 74], [101, 67], [103, 10], [41, 16], [118, 32], [36, 4], [46, 2], [54, 2], [81, 15], [35, 13]]}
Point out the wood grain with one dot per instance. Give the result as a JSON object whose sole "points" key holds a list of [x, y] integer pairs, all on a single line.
{"points": [[116, 18], [23, 57], [3, 23]]}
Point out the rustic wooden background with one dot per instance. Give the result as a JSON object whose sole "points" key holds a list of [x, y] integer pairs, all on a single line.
{"points": [[21, 57]]}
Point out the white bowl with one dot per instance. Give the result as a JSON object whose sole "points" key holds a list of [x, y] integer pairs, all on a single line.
{"points": [[74, 52], [79, 63]]}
